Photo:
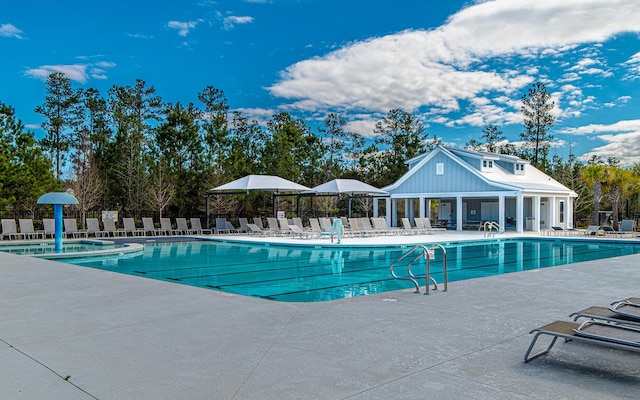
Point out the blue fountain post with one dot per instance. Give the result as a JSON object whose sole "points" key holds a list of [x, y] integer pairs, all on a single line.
{"points": [[58, 199], [57, 216]]}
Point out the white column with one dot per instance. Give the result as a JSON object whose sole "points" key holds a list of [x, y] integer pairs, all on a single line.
{"points": [[459, 213], [536, 213], [387, 204], [569, 212], [501, 211], [519, 212], [427, 210], [375, 206], [422, 207], [394, 211], [552, 212]]}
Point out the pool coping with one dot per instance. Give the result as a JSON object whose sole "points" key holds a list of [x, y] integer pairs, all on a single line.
{"points": [[127, 249]]}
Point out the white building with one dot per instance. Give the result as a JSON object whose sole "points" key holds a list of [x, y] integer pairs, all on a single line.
{"points": [[474, 187]]}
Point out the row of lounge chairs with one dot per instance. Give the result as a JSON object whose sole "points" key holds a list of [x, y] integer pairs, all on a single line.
{"points": [[70, 225], [617, 326], [626, 230], [322, 227]]}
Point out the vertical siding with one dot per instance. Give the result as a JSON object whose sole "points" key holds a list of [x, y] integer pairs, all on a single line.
{"points": [[455, 179]]}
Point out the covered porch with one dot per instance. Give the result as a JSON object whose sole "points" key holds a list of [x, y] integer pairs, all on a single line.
{"points": [[518, 211]]}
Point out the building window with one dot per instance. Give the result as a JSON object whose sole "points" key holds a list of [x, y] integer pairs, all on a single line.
{"points": [[439, 168], [562, 212]]}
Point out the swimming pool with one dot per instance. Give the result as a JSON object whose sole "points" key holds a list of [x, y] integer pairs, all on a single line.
{"points": [[307, 274]]}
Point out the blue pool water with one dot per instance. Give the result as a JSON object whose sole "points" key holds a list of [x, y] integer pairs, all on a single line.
{"points": [[48, 248], [305, 274]]}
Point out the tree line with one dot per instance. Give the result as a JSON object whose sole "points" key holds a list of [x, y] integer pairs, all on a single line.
{"points": [[131, 151]]}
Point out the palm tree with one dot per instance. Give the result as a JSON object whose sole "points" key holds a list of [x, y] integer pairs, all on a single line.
{"points": [[614, 178], [592, 175]]}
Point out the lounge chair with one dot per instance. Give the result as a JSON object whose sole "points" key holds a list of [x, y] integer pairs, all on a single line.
{"points": [[71, 228], [27, 231], [221, 226], [93, 227], [165, 226], [258, 222], [283, 226], [243, 225], [130, 227], [428, 227], [231, 228], [592, 230], [272, 223], [254, 229], [297, 221], [149, 227], [618, 314], [182, 227], [9, 229], [110, 228], [297, 232], [49, 227], [196, 226], [622, 337], [408, 229], [627, 226]]}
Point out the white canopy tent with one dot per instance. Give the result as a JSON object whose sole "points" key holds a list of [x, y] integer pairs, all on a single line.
{"points": [[348, 186], [267, 183]]}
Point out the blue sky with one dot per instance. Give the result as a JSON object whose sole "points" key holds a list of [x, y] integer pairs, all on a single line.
{"points": [[458, 65]]}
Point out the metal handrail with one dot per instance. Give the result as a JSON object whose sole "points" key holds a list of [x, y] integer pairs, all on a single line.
{"points": [[424, 252], [492, 225]]}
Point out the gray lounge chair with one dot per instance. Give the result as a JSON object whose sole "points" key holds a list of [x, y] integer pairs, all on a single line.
{"points": [[165, 226], [49, 227], [93, 227], [182, 228], [9, 229], [71, 228], [110, 228], [221, 226], [196, 226], [27, 230], [130, 227], [592, 230], [622, 337], [150, 227]]}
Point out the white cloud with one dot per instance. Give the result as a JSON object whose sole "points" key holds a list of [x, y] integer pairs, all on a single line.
{"points": [[624, 146], [231, 21], [434, 70], [75, 72], [8, 30], [620, 126], [183, 27]]}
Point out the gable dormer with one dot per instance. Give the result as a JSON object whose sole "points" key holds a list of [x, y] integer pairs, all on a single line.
{"points": [[486, 165]]}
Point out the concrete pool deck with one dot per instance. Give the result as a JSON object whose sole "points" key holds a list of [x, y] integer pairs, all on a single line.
{"points": [[69, 332]]}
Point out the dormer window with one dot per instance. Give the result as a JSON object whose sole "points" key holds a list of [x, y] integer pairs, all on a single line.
{"points": [[519, 169], [487, 165]]}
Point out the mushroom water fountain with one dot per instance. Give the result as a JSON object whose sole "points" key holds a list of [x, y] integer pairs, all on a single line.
{"points": [[58, 199]]}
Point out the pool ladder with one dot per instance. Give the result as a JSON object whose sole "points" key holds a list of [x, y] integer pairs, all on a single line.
{"points": [[489, 226], [419, 252]]}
